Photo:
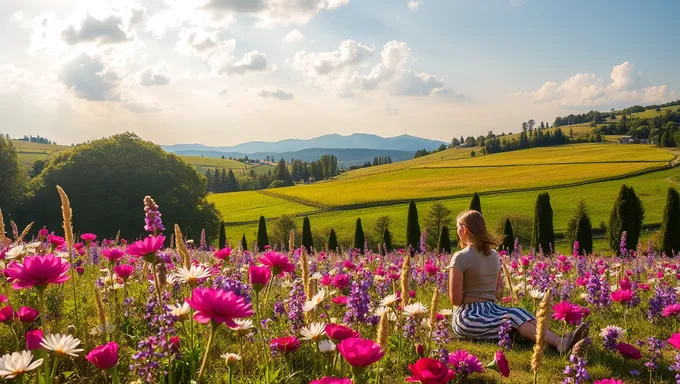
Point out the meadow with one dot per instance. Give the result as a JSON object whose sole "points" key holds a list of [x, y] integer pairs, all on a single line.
{"points": [[202, 164], [30, 152]]}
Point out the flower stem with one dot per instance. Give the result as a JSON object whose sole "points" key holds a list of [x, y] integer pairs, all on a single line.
{"points": [[207, 351], [160, 312]]}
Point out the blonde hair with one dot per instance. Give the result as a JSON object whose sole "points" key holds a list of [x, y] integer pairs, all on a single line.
{"points": [[480, 238]]}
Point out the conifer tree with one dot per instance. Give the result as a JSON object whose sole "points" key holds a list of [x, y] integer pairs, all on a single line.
{"points": [[307, 240], [359, 239], [387, 241], [332, 241], [262, 238], [475, 203], [626, 215], [508, 237], [244, 243], [584, 234], [231, 184], [670, 228], [543, 236], [444, 244], [222, 238], [412, 229]]}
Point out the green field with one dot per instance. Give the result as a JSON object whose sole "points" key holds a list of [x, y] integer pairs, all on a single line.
{"points": [[30, 152], [651, 113], [595, 160], [204, 163]]}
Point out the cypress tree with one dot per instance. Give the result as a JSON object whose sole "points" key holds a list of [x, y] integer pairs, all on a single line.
{"points": [[359, 239], [475, 203], [244, 243], [222, 239], [444, 244], [584, 234], [626, 215], [670, 228], [262, 238], [543, 235], [412, 229], [387, 241], [307, 240], [508, 237], [332, 241]]}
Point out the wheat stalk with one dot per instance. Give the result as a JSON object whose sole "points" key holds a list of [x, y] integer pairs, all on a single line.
{"points": [[541, 327], [66, 213], [383, 330], [434, 307], [181, 247], [507, 278], [291, 241], [25, 231], [304, 265], [405, 270], [2, 229], [100, 308]]}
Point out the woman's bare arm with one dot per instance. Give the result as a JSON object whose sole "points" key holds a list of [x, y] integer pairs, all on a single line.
{"points": [[499, 284], [456, 287]]}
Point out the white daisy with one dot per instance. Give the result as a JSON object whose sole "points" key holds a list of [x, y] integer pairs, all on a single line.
{"points": [[32, 248], [425, 323], [192, 275], [179, 310], [99, 329], [618, 331], [62, 344], [446, 312], [583, 295], [536, 294], [388, 300], [231, 359], [415, 309], [317, 276], [315, 301], [15, 252], [17, 363], [380, 310], [313, 331], [243, 326], [326, 346]]}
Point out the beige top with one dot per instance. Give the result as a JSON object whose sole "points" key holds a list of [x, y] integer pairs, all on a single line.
{"points": [[480, 272]]}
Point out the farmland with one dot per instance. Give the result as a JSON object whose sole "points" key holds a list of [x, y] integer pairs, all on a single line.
{"points": [[204, 163], [30, 152]]}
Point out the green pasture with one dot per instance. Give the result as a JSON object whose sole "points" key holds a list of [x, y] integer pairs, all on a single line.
{"points": [[204, 163], [249, 205], [30, 152]]}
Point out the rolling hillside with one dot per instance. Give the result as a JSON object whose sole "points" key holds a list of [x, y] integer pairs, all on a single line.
{"points": [[30, 152]]}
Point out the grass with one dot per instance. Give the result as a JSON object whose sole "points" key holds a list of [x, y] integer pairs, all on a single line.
{"points": [[204, 163], [29, 152], [650, 113], [247, 206]]}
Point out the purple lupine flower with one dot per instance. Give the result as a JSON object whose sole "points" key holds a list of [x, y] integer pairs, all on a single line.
{"points": [[610, 337], [279, 309], [443, 355], [203, 244], [663, 296], [655, 348], [359, 301], [94, 255], [676, 368], [442, 334], [410, 328], [423, 242], [576, 371], [504, 338], [296, 302], [623, 247], [152, 216]]}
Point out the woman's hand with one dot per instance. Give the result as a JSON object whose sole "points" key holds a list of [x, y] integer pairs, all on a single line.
{"points": [[456, 287]]}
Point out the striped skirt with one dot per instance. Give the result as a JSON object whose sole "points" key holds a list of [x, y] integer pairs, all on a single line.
{"points": [[483, 320]]}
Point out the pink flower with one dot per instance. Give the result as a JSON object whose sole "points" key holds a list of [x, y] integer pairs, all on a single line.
{"points": [[33, 339], [42, 233], [113, 254], [643, 287], [430, 371], [55, 241], [104, 356], [27, 314], [629, 351], [338, 332], [431, 269], [340, 300], [500, 364], [360, 352], [88, 237], [567, 312], [671, 310], [259, 277], [38, 271], [6, 315], [124, 271], [3, 299], [325, 280], [218, 306], [349, 265], [80, 270], [332, 380], [609, 381], [465, 363], [625, 284], [223, 253], [278, 263], [146, 248], [340, 281], [622, 295], [674, 340], [285, 344]]}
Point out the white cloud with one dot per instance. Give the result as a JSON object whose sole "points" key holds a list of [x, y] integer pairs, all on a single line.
{"points": [[275, 93], [156, 75], [89, 79], [251, 62], [18, 15], [109, 30], [414, 5], [223, 92], [350, 53], [586, 89], [294, 36]]}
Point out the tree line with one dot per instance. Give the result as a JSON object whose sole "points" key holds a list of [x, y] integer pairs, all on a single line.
{"points": [[663, 129], [30, 138], [380, 160]]}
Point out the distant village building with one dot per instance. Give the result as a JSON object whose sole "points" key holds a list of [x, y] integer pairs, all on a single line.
{"points": [[626, 140]]}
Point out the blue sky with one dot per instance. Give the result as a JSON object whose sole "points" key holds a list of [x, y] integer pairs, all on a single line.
{"points": [[221, 72]]}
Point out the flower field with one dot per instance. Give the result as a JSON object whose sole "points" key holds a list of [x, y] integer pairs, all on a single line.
{"points": [[76, 307]]}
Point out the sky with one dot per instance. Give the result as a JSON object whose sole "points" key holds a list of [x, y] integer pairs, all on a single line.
{"points": [[223, 72]]}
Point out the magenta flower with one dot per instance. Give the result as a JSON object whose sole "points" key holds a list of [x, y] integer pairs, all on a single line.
{"points": [[609, 381], [674, 340], [332, 380], [340, 300], [360, 352], [259, 277], [622, 296], [671, 310], [629, 351], [55, 241], [146, 248], [430, 371], [124, 271], [104, 356], [340, 281], [567, 312], [338, 332], [500, 364], [465, 363], [27, 314], [113, 254], [38, 271], [218, 306], [6, 315], [223, 253], [278, 263], [33, 339], [285, 344], [88, 237], [431, 269]]}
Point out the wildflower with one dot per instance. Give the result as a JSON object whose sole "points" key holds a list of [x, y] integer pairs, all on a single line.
{"points": [[113, 254], [102, 329], [430, 371], [180, 310], [536, 294], [27, 314], [504, 338], [243, 326], [609, 381], [415, 309], [313, 331], [568, 312], [218, 306], [332, 380], [500, 364], [327, 346], [17, 364], [38, 271], [258, 277], [104, 356], [192, 275], [671, 310], [146, 248], [389, 300], [622, 296], [231, 359], [360, 352], [338, 332], [446, 312], [223, 253], [285, 344], [611, 335], [315, 301], [62, 345], [277, 262], [340, 281], [152, 216], [88, 237], [55, 241], [33, 339], [465, 363], [674, 340], [340, 300], [124, 271], [14, 253], [629, 351]]}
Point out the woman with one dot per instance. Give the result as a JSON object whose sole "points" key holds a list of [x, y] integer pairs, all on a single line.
{"points": [[475, 282]]}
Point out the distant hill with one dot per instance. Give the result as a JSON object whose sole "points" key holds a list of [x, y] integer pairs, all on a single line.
{"points": [[355, 141], [346, 157]]}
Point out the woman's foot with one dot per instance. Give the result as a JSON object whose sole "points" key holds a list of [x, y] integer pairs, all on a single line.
{"points": [[570, 339]]}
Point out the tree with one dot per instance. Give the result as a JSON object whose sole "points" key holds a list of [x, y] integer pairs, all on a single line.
{"points": [[670, 227], [222, 239], [444, 244], [387, 241], [282, 174], [13, 178], [508, 237], [626, 215], [244, 243], [307, 240], [580, 229], [332, 241], [231, 184], [475, 203], [282, 227], [381, 224], [262, 238], [412, 229], [543, 236], [438, 217], [359, 239]]}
